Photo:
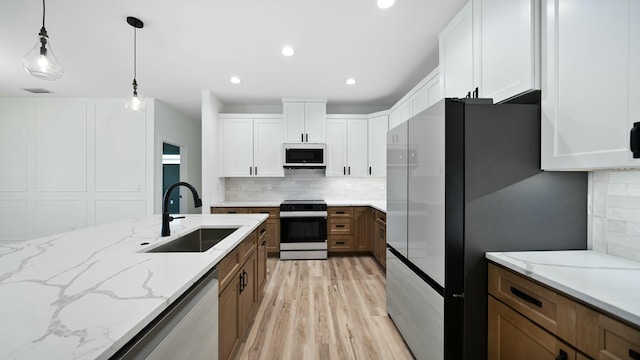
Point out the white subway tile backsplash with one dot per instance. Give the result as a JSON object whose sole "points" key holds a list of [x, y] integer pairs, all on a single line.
{"points": [[305, 184], [617, 230], [624, 245], [599, 198], [624, 176], [617, 189]]}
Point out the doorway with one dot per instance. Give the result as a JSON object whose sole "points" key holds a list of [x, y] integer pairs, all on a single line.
{"points": [[171, 174]]}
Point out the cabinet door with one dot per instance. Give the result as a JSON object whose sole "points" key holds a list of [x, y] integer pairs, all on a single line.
{"points": [[261, 270], [512, 336], [405, 111], [420, 100], [267, 135], [362, 229], [248, 297], [377, 156], [228, 332], [506, 60], [237, 152], [434, 90], [273, 236], [456, 54], [336, 147], [293, 122], [315, 115], [587, 127], [394, 118], [357, 147]]}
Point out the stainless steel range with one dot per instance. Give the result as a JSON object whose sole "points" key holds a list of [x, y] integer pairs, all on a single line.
{"points": [[303, 229]]}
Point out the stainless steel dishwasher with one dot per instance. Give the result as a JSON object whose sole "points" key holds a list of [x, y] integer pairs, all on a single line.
{"points": [[188, 329]]}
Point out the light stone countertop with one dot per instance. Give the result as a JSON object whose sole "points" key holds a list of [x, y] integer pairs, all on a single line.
{"points": [[378, 205], [84, 294], [606, 282]]}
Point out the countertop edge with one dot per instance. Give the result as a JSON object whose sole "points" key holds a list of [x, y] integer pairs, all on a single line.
{"points": [[610, 309]]}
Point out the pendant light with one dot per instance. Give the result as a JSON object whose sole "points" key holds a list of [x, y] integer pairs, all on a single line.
{"points": [[135, 104], [40, 61]]}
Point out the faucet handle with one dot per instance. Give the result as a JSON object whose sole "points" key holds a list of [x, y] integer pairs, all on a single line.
{"points": [[171, 218]]}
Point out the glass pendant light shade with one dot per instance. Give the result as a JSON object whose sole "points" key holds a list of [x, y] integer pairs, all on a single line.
{"points": [[40, 61], [135, 104]]}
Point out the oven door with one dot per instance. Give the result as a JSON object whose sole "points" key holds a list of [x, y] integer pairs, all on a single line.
{"points": [[302, 229]]}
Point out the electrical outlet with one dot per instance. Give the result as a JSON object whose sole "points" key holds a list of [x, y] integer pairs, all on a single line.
{"points": [[269, 187]]}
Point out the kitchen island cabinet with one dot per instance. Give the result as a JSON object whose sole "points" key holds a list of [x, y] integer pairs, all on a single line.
{"points": [[273, 222], [563, 305]]}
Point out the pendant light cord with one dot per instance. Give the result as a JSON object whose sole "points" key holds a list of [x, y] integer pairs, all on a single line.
{"points": [[135, 51], [43, 12]]}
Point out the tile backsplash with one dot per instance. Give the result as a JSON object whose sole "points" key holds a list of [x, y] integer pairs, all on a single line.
{"points": [[305, 184], [615, 213]]}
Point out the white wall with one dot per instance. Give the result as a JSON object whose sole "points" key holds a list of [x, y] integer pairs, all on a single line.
{"points": [[615, 213], [212, 183], [72, 163], [177, 129]]}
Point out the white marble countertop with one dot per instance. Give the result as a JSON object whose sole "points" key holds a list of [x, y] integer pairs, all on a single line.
{"points": [[606, 282], [84, 294], [378, 205]]}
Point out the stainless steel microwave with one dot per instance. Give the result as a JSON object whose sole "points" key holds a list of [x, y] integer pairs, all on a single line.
{"points": [[303, 155]]}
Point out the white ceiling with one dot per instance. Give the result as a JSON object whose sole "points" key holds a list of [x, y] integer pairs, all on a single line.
{"points": [[193, 45]]}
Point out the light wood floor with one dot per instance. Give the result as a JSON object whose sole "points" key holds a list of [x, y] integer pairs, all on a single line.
{"points": [[324, 309]]}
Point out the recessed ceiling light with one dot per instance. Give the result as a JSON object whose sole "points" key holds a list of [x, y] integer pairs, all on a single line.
{"points": [[351, 81], [235, 80], [288, 51], [385, 4]]}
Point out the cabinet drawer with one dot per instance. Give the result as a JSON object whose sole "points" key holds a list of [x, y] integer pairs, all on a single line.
{"points": [[340, 212], [228, 210], [228, 267], [339, 226], [340, 243], [273, 212], [617, 340], [543, 306], [381, 217], [248, 245], [512, 336]]}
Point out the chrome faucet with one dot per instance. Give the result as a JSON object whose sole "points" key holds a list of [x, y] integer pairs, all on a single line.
{"points": [[166, 218]]}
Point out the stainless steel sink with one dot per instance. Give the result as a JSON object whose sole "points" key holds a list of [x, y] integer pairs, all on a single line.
{"points": [[198, 241]]}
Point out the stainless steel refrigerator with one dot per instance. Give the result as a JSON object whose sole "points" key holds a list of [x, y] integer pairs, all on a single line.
{"points": [[463, 178]]}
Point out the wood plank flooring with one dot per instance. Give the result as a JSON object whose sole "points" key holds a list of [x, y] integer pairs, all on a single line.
{"points": [[324, 309]]}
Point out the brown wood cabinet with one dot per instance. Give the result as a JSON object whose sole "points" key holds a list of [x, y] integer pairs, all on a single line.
{"points": [[542, 323], [240, 279], [263, 239], [379, 245], [273, 223], [340, 229], [362, 229]]}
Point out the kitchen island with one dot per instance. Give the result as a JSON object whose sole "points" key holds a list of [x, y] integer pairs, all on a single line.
{"points": [[85, 294]]}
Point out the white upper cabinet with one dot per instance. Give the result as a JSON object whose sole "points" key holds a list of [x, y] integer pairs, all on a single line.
{"points": [[456, 54], [590, 84], [251, 147], [490, 49], [305, 120], [394, 118], [507, 42], [347, 147], [378, 127], [426, 95]]}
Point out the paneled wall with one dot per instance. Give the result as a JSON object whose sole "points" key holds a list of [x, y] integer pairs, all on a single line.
{"points": [[72, 163], [615, 213], [305, 184]]}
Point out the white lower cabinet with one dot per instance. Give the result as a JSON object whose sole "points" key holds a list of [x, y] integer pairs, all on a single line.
{"points": [[347, 147], [251, 147], [590, 84]]}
